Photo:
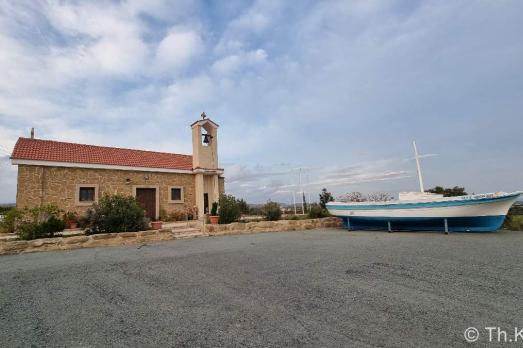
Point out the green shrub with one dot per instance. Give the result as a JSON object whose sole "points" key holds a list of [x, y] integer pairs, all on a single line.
{"points": [[514, 223], [214, 209], [116, 213], [83, 221], [10, 221], [5, 209], [244, 207], [51, 226], [32, 223], [28, 231], [316, 211], [229, 209], [516, 209], [271, 211], [41, 214], [257, 211]]}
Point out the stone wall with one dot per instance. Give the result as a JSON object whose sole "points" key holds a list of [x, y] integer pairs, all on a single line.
{"points": [[76, 242], [272, 226], [134, 238], [57, 185]]}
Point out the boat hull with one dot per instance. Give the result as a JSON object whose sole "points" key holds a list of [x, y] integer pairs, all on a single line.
{"points": [[456, 224], [482, 213]]}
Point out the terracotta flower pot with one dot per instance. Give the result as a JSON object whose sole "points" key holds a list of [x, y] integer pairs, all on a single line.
{"points": [[214, 219], [156, 225], [71, 225]]}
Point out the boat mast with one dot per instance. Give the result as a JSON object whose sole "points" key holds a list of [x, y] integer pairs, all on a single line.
{"points": [[418, 167]]}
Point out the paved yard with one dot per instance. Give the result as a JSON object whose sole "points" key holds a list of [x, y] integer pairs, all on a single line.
{"points": [[317, 288]]}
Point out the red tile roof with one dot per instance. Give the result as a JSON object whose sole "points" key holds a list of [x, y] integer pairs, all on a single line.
{"points": [[56, 151]]}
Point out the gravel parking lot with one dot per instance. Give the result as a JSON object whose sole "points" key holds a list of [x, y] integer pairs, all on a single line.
{"points": [[329, 288]]}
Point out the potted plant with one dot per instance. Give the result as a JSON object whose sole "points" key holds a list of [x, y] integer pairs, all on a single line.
{"points": [[214, 213], [156, 225], [71, 220], [190, 213]]}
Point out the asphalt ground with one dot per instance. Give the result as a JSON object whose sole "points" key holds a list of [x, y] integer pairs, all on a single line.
{"points": [[321, 288]]}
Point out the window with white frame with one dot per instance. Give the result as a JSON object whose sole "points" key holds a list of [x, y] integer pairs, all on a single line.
{"points": [[86, 194], [175, 194]]}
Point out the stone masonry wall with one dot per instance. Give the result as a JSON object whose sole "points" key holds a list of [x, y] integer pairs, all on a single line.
{"points": [[272, 226], [57, 185], [132, 238]]}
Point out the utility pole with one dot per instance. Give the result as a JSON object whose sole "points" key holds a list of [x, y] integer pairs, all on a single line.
{"points": [[301, 189], [294, 200], [309, 190]]}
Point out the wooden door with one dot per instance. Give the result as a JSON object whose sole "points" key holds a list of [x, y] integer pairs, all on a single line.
{"points": [[206, 203], [146, 197]]}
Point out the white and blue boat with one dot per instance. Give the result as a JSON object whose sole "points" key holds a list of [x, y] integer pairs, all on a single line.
{"points": [[423, 211]]}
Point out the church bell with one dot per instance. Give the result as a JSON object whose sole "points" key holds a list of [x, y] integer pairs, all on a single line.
{"points": [[206, 138]]}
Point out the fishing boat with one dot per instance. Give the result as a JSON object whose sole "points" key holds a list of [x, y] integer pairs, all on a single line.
{"points": [[424, 211]]}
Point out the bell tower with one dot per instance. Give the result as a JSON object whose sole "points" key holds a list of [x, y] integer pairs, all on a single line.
{"points": [[205, 143], [205, 163]]}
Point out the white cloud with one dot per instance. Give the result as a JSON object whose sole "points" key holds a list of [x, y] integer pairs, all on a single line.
{"points": [[184, 95], [8, 177], [105, 40], [318, 83], [256, 20], [258, 17], [278, 182], [232, 63], [165, 10], [126, 57], [177, 50], [93, 20]]}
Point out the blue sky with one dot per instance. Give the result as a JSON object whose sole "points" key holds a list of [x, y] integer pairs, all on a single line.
{"points": [[338, 88]]}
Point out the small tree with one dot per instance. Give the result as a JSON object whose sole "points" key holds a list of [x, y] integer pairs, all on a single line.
{"points": [[316, 211], [325, 197], [255, 211], [116, 213], [244, 207], [271, 211], [304, 202], [11, 220], [229, 209]]}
